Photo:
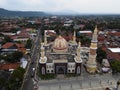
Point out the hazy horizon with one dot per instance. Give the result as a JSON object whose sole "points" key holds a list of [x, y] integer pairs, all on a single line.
{"points": [[72, 6]]}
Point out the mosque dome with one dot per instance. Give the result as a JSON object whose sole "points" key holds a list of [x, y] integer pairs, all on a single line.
{"points": [[60, 45]]}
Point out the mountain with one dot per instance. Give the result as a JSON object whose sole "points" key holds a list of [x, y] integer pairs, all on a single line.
{"points": [[65, 12], [8, 13]]}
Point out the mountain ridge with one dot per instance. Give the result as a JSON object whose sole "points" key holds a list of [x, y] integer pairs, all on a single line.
{"points": [[10, 13]]}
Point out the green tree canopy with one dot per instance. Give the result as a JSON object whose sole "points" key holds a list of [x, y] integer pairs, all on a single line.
{"points": [[18, 73], [6, 39], [15, 80], [12, 57], [100, 55], [115, 65], [29, 43]]}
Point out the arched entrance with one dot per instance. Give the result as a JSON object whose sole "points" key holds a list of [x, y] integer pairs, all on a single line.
{"points": [[60, 69]]}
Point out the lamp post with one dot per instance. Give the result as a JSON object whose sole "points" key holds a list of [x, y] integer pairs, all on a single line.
{"points": [[118, 85]]}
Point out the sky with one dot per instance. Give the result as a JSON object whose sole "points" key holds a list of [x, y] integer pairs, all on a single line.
{"points": [[80, 6]]}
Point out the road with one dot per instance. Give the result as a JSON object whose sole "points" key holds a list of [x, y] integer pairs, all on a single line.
{"points": [[83, 82], [92, 82], [30, 82]]}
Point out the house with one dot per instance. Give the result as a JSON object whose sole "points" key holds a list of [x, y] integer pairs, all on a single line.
{"points": [[113, 53], [24, 63], [22, 36], [11, 47], [9, 67]]}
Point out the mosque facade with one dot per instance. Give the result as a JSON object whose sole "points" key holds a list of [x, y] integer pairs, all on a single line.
{"points": [[63, 57]]}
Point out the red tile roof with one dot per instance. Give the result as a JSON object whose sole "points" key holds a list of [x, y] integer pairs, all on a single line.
{"points": [[19, 45], [113, 55], [22, 49], [9, 66], [101, 38], [115, 33], [7, 45]]}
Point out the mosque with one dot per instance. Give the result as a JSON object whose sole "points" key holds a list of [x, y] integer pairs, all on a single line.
{"points": [[62, 57]]}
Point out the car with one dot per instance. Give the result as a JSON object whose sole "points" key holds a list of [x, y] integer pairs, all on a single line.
{"points": [[33, 72], [33, 69], [32, 62]]}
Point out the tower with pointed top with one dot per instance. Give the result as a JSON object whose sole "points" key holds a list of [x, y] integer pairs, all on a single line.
{"points": [[78, 56], [43, 58], [78, 59], [45, 38], [74, 36], [91, 63]]}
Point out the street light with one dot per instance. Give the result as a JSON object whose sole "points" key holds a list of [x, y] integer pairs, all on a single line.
{"points": [[118, 83], [81, 85], [100, 82], [59, 87], [90, 83]]}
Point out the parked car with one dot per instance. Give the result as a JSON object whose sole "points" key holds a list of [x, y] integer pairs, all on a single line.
{"points": [[33, 72], [32, 62]]}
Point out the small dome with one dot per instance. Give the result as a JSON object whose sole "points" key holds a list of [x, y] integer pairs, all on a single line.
{"points": [[60, 45]]}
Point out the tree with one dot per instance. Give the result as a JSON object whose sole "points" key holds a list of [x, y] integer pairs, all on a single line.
{"points": [[115, 65], [16, 78], [13, 57], [14, 30], [28, 44], [84, 39], [2, 81], [17, 55], [100, 55], [6, 39], [18, 73]]}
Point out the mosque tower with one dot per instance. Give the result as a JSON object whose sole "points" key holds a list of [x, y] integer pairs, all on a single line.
{"points": [[74, 37], [78, 56], [91, 63], [78, 59], [73, 42], [43, 60], [45, 38]]}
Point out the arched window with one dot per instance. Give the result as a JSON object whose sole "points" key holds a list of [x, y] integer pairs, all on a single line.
{"points": [[48, 71], [78, 70], [69, 71], [73, 71], [43, 70], [52, 71]]}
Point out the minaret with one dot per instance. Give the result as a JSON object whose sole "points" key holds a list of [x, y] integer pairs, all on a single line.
{"points": [[43, 58], [91, 63], [78, 56], [42, 50], [45, 38], [74, 39], [78, 60]]}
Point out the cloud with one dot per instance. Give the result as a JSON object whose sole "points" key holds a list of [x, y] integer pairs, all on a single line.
{"points": [[58, 5]]}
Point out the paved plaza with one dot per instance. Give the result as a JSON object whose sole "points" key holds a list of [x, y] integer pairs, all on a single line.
{"points": [[90, 82]]}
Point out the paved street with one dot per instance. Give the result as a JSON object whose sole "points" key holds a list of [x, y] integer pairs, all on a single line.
{"points": [[93, 82], [29, 82]]}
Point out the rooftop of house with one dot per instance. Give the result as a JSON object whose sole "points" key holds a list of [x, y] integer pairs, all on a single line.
{"points": [[9, 66], [7, 45], [114, 50], [10, 44]]}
